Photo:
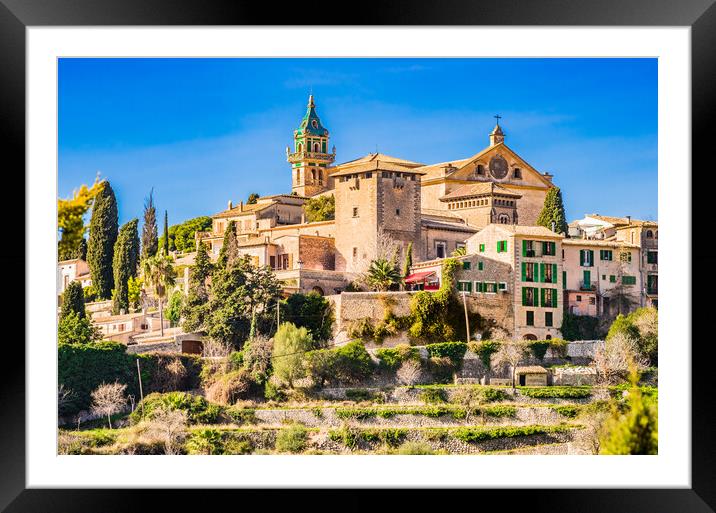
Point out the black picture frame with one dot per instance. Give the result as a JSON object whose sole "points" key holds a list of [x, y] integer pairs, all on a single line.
{"points": [[700, 15]]}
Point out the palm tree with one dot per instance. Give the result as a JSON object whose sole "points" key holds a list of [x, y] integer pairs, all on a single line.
{"points": [[382, 273], [159, 273]]}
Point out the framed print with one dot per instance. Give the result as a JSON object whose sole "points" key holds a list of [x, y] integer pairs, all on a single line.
{"points": [[417, 251]]}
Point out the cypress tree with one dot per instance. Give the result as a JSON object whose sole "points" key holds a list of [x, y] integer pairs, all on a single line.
{"points": [[149, 229], [166, 233], [193, 309], [81, 251], [553, 211], [229, 249], [408, 260], [73, 300], [102, 236], [126, 251]]}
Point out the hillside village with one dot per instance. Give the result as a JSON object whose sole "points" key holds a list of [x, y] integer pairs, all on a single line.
{"points": [[379, 305]]}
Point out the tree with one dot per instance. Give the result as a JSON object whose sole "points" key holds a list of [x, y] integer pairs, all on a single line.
{"points": [[484, 350], [511, 353], [642, 325], [108, 399], [159, 273], [169, 426], [73, 329], [125, 261], [73, 300], [194, 307], [553, 212], [174, 305], [289, 347], [458, 252], [409, 372], [320, 208], [252, 199], [70, 219], [408, 263], [382, 274], [81, 251], [182, 237], [149, 229], [616, 357], [635, 431], [312, 311], [134, 292], [166, 233], [103, 229]]}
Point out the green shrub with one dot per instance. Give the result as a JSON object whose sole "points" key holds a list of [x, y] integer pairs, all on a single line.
{"points": [[539, 348], [273, 393], [433, 395], [474, 435], [293, 439], [311, 311], [198, 409], [493, 394], [361, 329], [500, 410], [359, 394], [556, 392], [484, 350], [414, 448], [205, 441], [567, 411], [453, 350], [353, 363], [241, 415], [236, 360], [392, 358]]}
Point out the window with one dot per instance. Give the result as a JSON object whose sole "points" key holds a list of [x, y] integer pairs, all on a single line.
{"points": [[479, 287], [579, 299], [502, 285], [612, 278], [549, 298], [397, 212], [564, 279], [502, 246], [548, 273], [440, 249], [625, 256], [517, 173], [604, 277], [530, 318], [649, 234], [272, 262], [529, 296], [355, 254], [466, 265], [491, 287], [369, 175], [503, 219], [592, 300], [549, 248], [482, 248], [529, 271], [548, 319], [586, 257], [355, 211], [314, 124], [480, 170], [480, 266], [628, 280], [652, 257], [464, 286], [605, 254]]}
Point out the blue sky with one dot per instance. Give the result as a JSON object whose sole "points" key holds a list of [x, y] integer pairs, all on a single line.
{"points": [[203, 131]]}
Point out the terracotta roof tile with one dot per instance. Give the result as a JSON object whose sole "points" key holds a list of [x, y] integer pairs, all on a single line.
{"points": [[479, 189]]}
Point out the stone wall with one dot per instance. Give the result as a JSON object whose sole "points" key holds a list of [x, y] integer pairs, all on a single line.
{"points": [[317, 252], [351, 306]]}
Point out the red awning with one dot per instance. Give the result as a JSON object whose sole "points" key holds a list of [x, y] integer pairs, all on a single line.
{"points": [[418, 277]]}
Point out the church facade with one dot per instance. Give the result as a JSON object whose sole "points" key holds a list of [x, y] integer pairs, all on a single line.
{"points": [[378, 198]]}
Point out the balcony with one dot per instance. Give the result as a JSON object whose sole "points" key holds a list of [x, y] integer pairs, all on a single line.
{"points": [[587, 285], [300, 156]]}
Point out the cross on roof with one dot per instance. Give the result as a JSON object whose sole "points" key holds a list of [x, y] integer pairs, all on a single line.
{"points": [[498, 118]]}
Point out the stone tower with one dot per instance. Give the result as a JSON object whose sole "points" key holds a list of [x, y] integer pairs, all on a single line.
{"points": [[376, 206], [310, 157]]}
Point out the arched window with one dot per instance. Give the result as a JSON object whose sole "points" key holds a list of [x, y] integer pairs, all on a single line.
{"points": [[316, 147], [480, 170], [313, 174], [314, 123], [299, 148], [649, 234], [503, 219]]}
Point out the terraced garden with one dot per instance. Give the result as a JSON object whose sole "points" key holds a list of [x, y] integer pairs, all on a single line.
{"points": [[433, 419]]}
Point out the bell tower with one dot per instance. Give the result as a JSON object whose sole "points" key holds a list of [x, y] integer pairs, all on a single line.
{"points": [[310, 157]]}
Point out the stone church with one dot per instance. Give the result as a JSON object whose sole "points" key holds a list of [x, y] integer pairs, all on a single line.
{"points": [[378, 198]]}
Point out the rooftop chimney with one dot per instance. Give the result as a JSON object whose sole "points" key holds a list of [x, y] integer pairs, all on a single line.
{"points": [[241, 206], [628, 218], [231, 205]]}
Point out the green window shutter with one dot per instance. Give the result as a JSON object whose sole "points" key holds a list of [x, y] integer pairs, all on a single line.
{"points": [[524, 248], [581, 257], [587, 278], [564, 279], [612, 278], [541, 297], [469, 286], [499, 246], [466, 265], [482, 248], [591, 257], [554, 273], [554, 298], [524, 296], [479, 266], [524, 271]]}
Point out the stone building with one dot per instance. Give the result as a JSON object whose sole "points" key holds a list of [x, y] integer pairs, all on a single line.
{"points": [[644, 234]]}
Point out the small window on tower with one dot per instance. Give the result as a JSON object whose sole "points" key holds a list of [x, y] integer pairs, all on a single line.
{"points": [[314, 123], [480, 170], [397, 212], [355, 211], [517, 173]]}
